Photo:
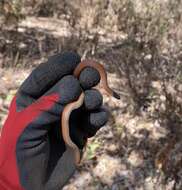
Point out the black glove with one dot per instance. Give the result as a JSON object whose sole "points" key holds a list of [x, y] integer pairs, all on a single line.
{"points": [[33, 155]]}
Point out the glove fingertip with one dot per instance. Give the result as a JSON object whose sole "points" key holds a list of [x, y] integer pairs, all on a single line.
{"points": [[99, 118], [93, 99], [89, 77]]}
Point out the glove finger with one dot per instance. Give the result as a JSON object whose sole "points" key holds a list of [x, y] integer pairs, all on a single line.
{"points": [[93, 99], [66, 90], [45, 76], [89, 77], [87, 127], [89, 122], [79, 128], [96, 120]]}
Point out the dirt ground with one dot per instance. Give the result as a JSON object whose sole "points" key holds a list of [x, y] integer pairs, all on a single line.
{"points": [[133, 151], [123, 153]]}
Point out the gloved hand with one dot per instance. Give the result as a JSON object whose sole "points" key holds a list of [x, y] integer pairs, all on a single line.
{"points": [[33, 155]]}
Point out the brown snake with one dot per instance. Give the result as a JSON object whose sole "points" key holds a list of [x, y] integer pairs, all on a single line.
{"points": [[76, 104]]}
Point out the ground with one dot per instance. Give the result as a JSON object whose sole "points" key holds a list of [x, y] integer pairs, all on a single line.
{"points": [[122, 154], [137, 149]]}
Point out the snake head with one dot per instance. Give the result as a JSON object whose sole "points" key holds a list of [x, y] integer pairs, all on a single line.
{"points": [[91, 63]]}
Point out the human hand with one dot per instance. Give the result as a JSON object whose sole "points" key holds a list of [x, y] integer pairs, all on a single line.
{"points": [[33, 154]]}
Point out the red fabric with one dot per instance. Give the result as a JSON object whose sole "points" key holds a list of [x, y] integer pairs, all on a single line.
{"points": [[12, 129]]}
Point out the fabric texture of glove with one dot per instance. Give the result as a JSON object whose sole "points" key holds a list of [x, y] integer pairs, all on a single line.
{"points": [[33, 155]]}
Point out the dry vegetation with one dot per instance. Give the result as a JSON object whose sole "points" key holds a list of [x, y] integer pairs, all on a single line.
{"points": [[140, 43]]}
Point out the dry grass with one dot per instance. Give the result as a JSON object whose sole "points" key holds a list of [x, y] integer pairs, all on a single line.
{"points": [[140, 44]]}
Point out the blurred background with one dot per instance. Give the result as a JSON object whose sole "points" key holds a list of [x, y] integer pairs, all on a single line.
{"points": [[140, 44]]}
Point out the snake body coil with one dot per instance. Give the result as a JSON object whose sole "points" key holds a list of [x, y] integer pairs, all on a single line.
{"points": [[76, 104]]}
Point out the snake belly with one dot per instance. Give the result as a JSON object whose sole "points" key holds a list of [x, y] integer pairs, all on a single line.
{"points": [[65, 126]]}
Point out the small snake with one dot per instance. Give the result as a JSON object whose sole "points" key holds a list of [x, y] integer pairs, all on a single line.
{"points": [[76, 104]]}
